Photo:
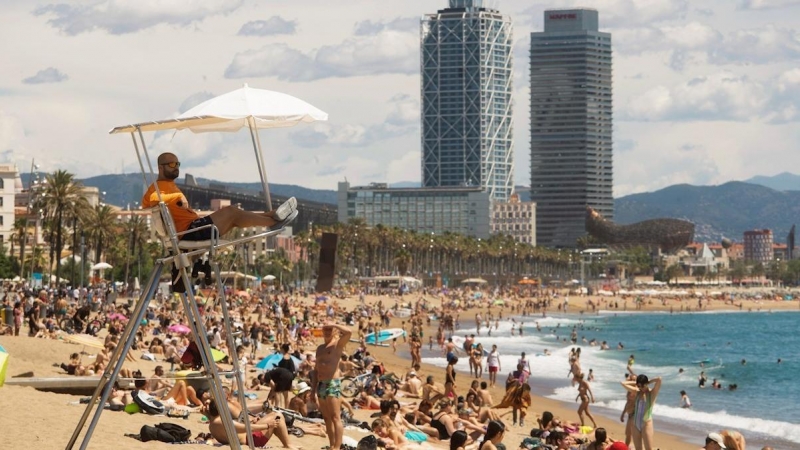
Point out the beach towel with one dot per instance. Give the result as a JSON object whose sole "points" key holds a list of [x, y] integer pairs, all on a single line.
{"points": [[416, 436]]}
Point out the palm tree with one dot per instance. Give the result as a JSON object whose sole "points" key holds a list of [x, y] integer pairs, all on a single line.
{"points": [[100, 225], [137, 229], [402, 258], [20, 235], [61, 192]]}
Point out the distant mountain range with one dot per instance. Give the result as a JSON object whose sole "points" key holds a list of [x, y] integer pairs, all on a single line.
{"points": [[727, 210], [124, 189], [784, 181]]}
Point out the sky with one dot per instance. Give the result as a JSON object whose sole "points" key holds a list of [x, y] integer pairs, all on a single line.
{"points": [[704, 91]]}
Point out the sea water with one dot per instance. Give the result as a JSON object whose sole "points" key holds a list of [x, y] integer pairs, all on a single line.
{"points": [[764, 407]]}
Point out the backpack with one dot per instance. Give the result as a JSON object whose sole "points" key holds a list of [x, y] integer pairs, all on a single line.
{"points": [[148, 433], [179, 433], [164, 432]]}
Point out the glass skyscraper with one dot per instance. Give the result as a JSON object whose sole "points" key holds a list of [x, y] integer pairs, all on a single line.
{"points": [[571, 120], [466, 66]]}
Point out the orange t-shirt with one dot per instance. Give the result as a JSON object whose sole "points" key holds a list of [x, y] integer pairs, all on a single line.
{"points": [[177, 204]]}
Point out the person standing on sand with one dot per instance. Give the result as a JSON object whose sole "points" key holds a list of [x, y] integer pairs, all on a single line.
{"points": [[584, 394], [493, 363], [627, 411], [643, 409], [326, 383]]}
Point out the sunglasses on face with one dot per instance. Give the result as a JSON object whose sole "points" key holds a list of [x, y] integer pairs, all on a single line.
{"points": [[171, 165]]}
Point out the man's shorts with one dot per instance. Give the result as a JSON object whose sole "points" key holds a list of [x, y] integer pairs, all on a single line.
{"points": [[493, 369], [199, 235]]}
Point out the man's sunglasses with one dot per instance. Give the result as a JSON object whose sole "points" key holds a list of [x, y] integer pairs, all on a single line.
{"points": [[171, 165]]}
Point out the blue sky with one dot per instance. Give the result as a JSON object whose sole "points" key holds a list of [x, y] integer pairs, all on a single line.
{"points": [[704, 91]]}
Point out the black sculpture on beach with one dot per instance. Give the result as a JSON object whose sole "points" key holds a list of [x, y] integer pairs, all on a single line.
{"points": [[668, 235]]}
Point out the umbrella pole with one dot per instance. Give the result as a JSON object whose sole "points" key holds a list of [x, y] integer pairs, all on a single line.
{"points": [[259, 159]]}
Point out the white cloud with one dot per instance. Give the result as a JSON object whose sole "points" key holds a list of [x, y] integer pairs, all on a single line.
{"points": [[121, 17], [765, 45], [275, 25], [722, 96], [692, 35], [405, 24], [322, 134], [194, 100], [387, 52], [405, 110], [12, 135], [767, 4], [49, 75]]}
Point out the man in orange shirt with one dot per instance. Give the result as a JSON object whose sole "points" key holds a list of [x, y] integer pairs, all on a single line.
{"points": [[223, 219]]}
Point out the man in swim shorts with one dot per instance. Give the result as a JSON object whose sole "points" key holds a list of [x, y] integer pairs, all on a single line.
{"points": [[325, 381]]}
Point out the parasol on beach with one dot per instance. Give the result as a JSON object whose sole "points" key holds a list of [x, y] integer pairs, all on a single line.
{"points": [[3, 365], [179, 328], [272, 361], [247, 107], [117, 316]]}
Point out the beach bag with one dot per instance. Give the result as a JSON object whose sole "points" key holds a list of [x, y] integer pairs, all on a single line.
{"points": [[148, 433], [146, 403], [178, 433]]}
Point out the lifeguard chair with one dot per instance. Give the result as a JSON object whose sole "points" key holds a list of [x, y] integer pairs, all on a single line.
{"points": [[246, 107]]}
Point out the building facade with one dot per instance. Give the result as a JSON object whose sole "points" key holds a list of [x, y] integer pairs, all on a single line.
{"points": [[516, 219], [467, 125], [8, 188], [571, 124], [464, 210], [758, 246]]}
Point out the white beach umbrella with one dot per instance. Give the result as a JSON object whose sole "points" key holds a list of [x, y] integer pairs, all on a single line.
{"points": [[102, 266], [244, 107]]}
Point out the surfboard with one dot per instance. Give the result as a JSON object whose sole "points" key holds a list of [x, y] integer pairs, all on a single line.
{"points": [[705, 361], [384, 335], [383, 338]]}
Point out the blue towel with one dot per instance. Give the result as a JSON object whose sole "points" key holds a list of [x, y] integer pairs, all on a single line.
{"points": [[416, 436]]}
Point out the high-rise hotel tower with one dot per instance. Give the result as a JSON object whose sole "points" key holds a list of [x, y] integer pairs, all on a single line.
{"points": [[467, 126], [571, 121]]}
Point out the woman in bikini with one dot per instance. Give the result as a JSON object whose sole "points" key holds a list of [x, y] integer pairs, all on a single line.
{"points": [[643, 409], [584, 394], [477, 360]]}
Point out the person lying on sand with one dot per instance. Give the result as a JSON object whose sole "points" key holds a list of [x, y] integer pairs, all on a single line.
{"points": [[262, 431]]}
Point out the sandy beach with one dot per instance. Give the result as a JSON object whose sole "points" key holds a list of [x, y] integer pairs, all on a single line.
{"points": [[33, 419]]}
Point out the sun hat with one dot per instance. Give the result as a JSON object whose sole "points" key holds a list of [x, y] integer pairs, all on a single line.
{"points": [[716, 437], [302, 387]]}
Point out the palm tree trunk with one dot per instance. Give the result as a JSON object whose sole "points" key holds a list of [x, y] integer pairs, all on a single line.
{"points": [[22, 252], [59, 244]]}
